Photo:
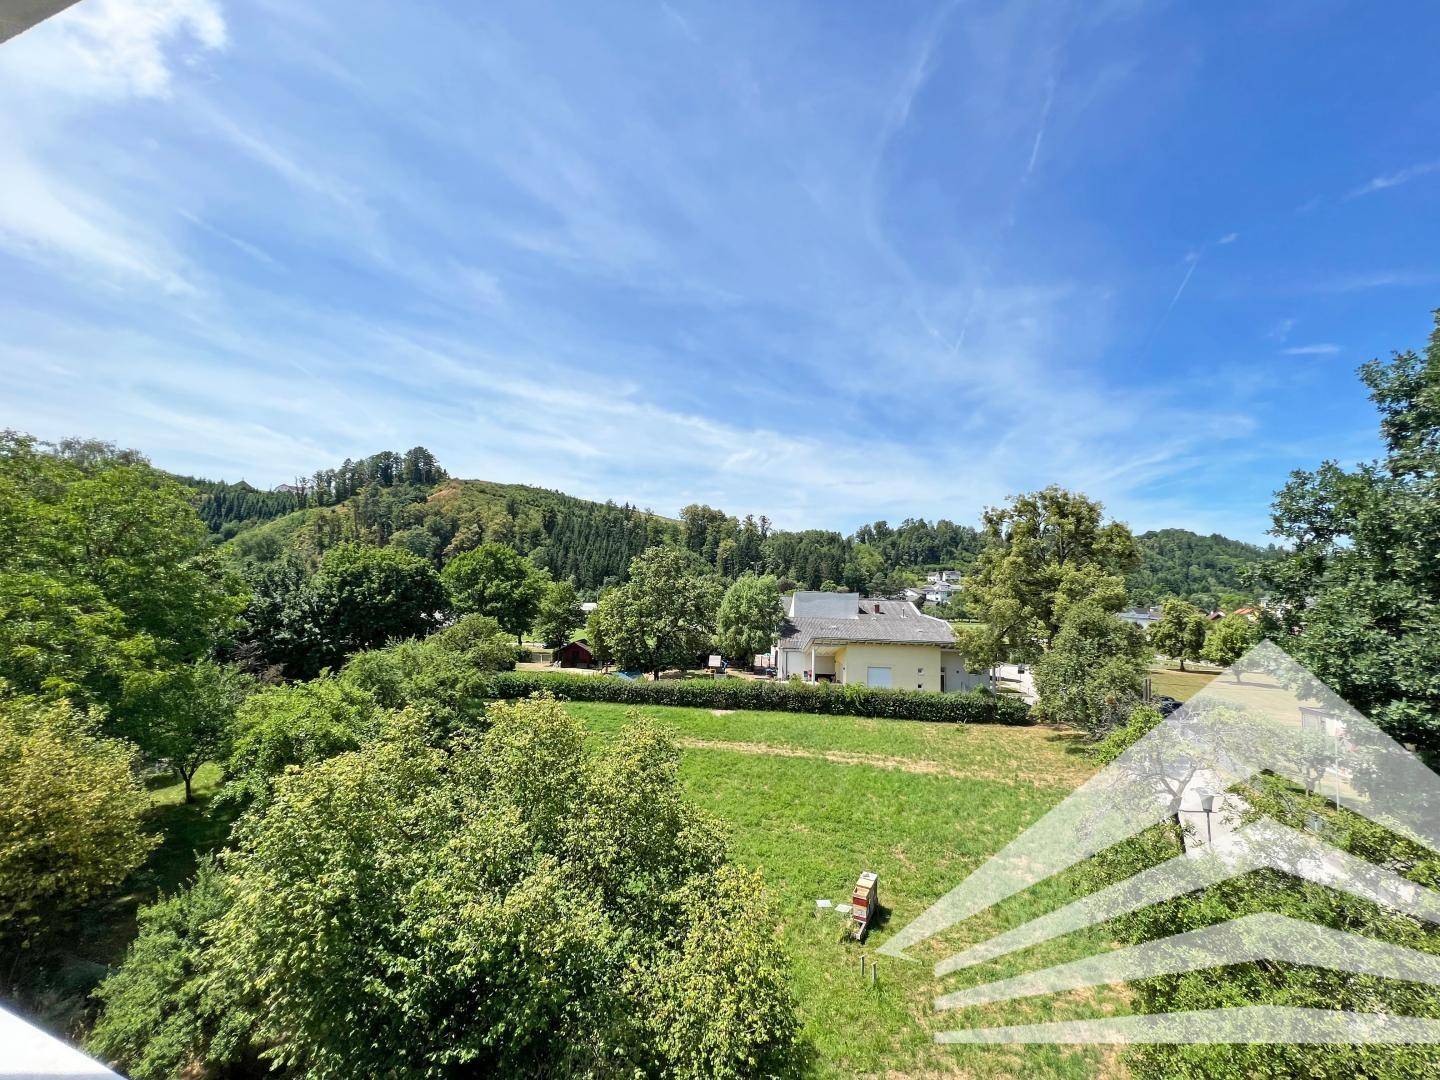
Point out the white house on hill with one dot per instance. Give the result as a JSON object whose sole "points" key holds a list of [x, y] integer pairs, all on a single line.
{"points": [[840, 637]]}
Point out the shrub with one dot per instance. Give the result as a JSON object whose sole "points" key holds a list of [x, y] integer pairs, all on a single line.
{"points": [[519, 905], [972, 707], [296, 725], [161, 1016], [71, 814]]}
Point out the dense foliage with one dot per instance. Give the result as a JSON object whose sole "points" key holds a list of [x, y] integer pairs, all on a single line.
{"points": [[1208, 571], [519, 904], [71, 819], [972, 707], [361, 597], [1359, 596], [559, 614], [1180, 633], [185, 716], [1044, 552], [498, 582], [104, 574], [663, 617], [749, 618], [1093, 675]]}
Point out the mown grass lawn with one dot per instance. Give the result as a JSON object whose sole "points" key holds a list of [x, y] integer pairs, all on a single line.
{"points": [[1181, 685], [815, 800]]}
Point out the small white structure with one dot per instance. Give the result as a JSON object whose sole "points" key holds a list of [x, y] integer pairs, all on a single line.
{"points": [[1144, 618]]}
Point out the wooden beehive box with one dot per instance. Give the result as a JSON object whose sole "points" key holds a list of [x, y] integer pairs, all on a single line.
{"points": [[864, 899]]}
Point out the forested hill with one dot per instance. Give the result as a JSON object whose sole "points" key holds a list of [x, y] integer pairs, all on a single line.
{"points": [[587, 542], [1207, 570], [408, 500]]}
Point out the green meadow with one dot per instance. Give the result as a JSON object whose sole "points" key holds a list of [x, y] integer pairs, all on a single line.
{"points": [[813, 801]]}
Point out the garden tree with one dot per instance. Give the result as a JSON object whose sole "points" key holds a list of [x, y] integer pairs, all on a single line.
{"points": [[363, 597], [519, 905], [749, 618], [185, 716], [1044, 553], [479, 640], [277, 633], [559, 615], [496, 580], [1093, 675], [1359, 592], [1180, 633], [864, 565], [442, 680], [72, 816], [1229, 639], [284, 726], [160, 1016], [105, 574], [664, 616]]}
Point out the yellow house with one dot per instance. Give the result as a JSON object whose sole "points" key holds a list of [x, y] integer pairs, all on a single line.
{"points": [[840, 637]]}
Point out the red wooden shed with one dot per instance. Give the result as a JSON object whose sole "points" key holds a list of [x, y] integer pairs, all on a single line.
{"points": [[575, 654]]}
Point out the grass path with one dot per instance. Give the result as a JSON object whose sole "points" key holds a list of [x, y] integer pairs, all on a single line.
{"points": [[814, 800]]}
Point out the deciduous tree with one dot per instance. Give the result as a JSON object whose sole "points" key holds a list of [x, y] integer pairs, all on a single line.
{"points": [[1358, 596], [1045, 552], [664, 616], [1180, 633], [1093, 675], [72, 815], [185, 716], [363, 597], [496, 580], [749, 617], [559, 615]]}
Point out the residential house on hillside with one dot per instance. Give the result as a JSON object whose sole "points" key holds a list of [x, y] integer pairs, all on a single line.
{"points": [[948, 577], [941, 592], [840, 637]]}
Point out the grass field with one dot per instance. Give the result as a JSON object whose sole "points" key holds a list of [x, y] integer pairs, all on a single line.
{"points": [[813, 801], [1181, 685]]}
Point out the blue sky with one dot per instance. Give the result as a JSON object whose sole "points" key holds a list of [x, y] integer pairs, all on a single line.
{"points": [[827, 262]]}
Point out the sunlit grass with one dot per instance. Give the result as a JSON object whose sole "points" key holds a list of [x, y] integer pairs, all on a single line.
{"points": [[921, 804]]}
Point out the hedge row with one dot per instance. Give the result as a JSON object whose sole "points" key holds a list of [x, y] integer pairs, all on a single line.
{"points": [[972, 707]]}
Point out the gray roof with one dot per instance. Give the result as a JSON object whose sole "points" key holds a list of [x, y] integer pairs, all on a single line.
{"points": [[897, 622]]}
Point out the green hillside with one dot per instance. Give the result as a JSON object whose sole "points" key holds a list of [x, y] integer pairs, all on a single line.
{"points": [[1209, 571], [408, 500]]}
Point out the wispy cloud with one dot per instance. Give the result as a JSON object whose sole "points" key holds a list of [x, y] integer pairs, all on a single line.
{"points": [[796, 260], [1321, 349], [1395, 179]]}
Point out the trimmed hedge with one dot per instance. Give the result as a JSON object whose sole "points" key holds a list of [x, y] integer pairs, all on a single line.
{"points": [[971, 707]]}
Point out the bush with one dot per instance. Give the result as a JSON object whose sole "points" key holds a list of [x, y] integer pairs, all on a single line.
{"points": [[519, 905], [296, 725], [71, 815], [972, 707], [161, 1017]]}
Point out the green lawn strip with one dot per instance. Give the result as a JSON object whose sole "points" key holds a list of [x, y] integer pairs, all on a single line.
{"points": [[1037, 755], [813, 824]]}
